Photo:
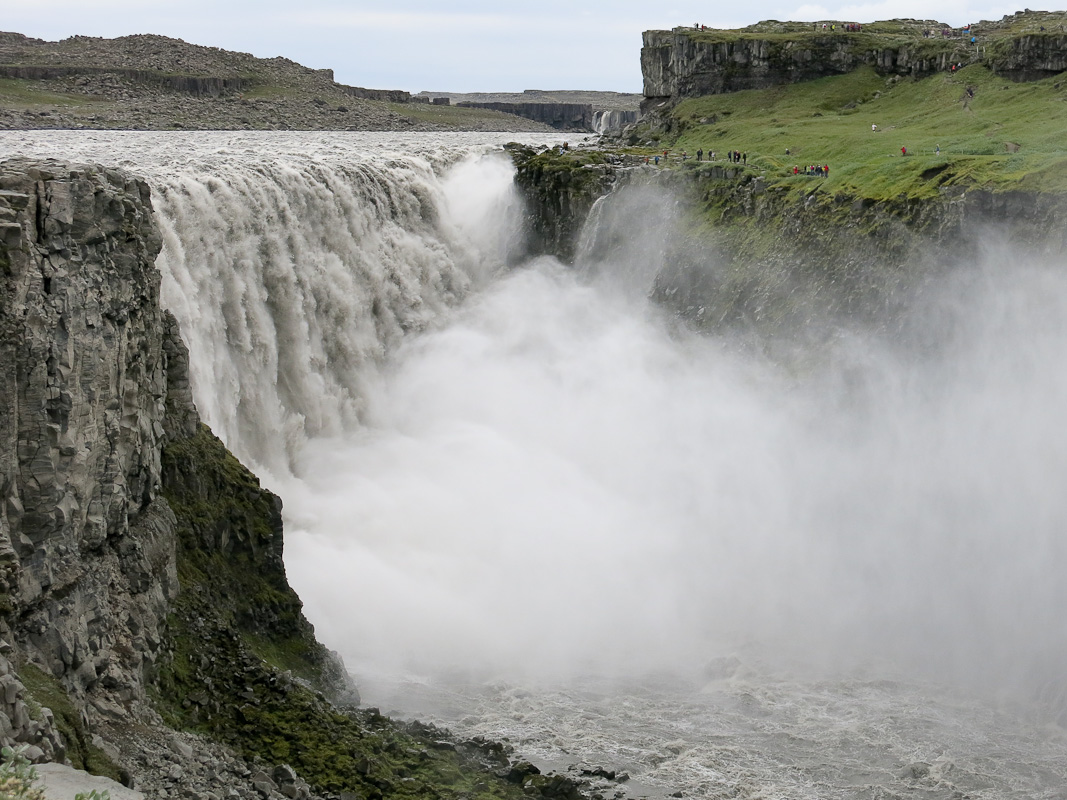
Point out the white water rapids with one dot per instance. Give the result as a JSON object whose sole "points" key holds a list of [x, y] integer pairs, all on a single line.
{"points": [[524, 501]]}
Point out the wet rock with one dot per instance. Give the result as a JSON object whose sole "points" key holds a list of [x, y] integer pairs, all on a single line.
{"points": [[915, 771], [520, 771]]}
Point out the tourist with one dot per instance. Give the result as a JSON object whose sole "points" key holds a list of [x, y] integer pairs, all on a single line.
{"points": [[700, 154], [903, 151]]}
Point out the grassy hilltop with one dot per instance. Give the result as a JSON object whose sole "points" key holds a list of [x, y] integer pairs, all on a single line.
{"points": [[964, 113], [992, 133]]}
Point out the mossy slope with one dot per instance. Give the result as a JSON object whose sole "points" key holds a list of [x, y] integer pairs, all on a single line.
{"points": [[244, 668], [965, 129]]}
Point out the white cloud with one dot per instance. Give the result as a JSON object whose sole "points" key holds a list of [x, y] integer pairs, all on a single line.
{"points": [[809, 12]]}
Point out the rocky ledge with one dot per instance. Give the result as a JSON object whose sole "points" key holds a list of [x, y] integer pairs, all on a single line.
{"points": [[688, 62]]}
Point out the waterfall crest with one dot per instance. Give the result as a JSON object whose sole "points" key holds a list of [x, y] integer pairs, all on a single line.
{"points": [[291, 283], [295, 262]]}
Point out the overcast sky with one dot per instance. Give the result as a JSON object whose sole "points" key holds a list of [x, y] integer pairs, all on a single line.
{"points": [[462, 45]]}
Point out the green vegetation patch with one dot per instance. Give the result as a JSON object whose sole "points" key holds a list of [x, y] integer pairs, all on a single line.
{"points": [[964, 129], [241, 664], [18, 93], [45, 691]]}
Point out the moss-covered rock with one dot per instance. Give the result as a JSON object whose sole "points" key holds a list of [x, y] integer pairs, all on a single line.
{"points": [[242, 665], [46, 692], [560, 188]]}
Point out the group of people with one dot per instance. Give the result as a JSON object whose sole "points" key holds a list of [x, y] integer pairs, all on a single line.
{"points": [[850, 27], [818, 170], [949, 33], [735, 156]]}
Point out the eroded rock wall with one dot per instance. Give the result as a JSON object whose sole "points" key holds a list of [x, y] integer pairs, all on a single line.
{"points": [[87, 545], [681, 63], [561, 116]]}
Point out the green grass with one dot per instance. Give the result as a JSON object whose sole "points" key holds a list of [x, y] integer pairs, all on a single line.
{"points": [[241, 665], [45, 691], [828, 121], [16, 93]]}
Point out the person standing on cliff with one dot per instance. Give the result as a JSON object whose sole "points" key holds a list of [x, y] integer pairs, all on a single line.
{"points": [[744, 157], [700, 154]]}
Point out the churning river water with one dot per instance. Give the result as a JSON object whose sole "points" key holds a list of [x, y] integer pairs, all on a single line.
{"points": [[523, 500]]}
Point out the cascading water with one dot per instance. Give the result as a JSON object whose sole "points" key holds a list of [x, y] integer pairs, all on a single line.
{"points": [[732, 574], [607, 122], [295, 263]]}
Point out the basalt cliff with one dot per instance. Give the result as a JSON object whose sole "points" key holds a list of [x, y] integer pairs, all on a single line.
{"points": [[691, 62]]}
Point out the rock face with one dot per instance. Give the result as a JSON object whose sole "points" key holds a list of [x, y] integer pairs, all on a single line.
{"points": [[561, 116], [690, 63], [560, 190], [86, 544], [95, 392]]}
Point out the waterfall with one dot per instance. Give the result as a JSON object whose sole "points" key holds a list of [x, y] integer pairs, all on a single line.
{"points": [[605, 122], [295, 263]]}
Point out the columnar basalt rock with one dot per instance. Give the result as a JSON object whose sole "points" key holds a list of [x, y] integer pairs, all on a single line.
{"points": [[87, 545], [561, 116], [560, 189], [684, 63]]}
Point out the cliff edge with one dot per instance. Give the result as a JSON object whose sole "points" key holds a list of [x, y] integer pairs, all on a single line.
{"points": [[693, 62]]}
